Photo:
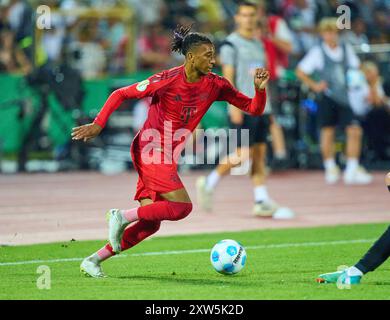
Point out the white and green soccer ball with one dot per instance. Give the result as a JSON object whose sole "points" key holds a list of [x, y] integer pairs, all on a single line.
{"points": [[228, 257]]}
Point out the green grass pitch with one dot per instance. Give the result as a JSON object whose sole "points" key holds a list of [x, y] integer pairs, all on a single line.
{"points": [[282, 264]]}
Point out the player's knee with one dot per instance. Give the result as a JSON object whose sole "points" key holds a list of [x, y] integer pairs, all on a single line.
{"points": [[179, 210]]}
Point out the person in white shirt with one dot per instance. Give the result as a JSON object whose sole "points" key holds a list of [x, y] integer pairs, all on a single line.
{"points": [[333, 62]]}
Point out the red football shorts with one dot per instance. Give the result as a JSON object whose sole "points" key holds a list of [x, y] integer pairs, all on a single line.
{"points": [[154, 178]]}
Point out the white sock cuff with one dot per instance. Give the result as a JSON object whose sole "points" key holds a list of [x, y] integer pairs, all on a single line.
{"points": [[260, 193], [353, 271], [212, 180], [329, 163]]}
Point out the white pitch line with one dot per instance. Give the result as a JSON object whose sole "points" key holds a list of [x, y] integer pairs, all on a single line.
{"points": [[158, 253]]}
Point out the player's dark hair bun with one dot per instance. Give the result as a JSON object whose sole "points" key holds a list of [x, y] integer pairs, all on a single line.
{"points": [[183, 39], [179, 35]]}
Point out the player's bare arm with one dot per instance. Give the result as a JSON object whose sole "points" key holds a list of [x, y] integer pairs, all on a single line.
{"points": [[86, 132]]}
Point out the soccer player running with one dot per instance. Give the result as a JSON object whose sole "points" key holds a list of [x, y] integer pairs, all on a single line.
{"points": [[180, 98], [331, 60], [241, 54], [374, 257]]}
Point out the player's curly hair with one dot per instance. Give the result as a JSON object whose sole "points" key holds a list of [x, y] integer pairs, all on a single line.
{"points": [[184, 40]]}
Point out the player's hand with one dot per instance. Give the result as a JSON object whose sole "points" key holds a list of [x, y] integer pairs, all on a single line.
{"points": [[86, 132], [320, 87], [261, 78]]}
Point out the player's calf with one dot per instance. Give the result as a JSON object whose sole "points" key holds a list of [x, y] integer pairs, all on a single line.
{"points": [[165, 210]]}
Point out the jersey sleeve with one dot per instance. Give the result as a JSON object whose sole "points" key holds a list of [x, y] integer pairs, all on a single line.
{"points": [[230, 94], [139, 90]]}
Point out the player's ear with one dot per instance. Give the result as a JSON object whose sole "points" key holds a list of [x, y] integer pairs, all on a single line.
{"points": [[190, 57]]}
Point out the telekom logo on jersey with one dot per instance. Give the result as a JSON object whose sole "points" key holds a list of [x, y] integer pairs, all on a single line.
{"points": [[187, 113], [184, 147]]}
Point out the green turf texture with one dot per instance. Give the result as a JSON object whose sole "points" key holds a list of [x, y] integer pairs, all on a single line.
{"points": [[270, 273]]}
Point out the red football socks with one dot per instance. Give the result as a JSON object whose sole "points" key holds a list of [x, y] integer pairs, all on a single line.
{"points": [[165, 210]]}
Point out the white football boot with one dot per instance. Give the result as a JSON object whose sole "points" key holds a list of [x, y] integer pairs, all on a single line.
{"points": [[358, 176], [116, 226], [332, 175], [204, 196], [91, 269]]}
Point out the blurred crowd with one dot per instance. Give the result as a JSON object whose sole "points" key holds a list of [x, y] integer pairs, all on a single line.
{"points": [[97, 45]]}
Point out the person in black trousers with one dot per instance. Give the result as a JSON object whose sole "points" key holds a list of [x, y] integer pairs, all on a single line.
{"points": [[374, 257]]}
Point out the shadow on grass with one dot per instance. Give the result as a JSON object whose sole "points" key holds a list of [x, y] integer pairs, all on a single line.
{"points": [[378, 283], [174, 279], [229, 281]]}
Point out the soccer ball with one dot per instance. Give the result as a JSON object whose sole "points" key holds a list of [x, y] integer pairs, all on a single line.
{"points": [[228, 257]]}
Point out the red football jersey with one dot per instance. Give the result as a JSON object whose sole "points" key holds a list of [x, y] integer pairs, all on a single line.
{"points": [[178, 104]]}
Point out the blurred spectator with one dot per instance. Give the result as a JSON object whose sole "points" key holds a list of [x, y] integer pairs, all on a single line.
{"points": [[331, 60], [376, 112], [277, 39], [115, 41], [301, 17], [7, 52], [149, 11], [381, 29], [178, 9], [212, 17], [53, 38], [88, 54], [154, 48], [12, 56], [367, 10], [326, 8], [357, 34], [19, 15]]}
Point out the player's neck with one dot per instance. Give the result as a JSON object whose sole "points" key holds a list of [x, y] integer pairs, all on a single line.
{"points": [[245, 33], [191, 74]]}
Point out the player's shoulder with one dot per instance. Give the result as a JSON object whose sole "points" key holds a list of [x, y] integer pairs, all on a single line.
{"points": [[216, 79], [168, 74], [173, 72]]}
